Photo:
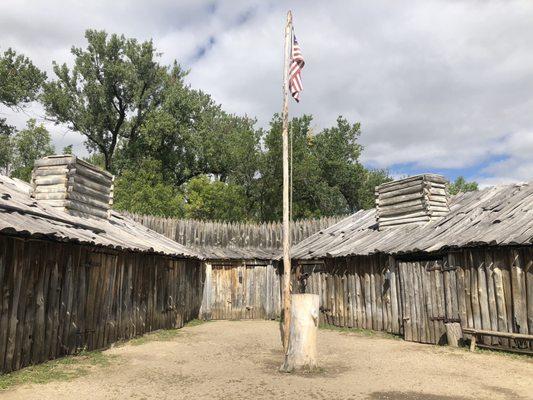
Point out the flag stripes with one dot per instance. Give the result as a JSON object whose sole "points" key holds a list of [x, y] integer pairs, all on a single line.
{"points": [[295, 69]]}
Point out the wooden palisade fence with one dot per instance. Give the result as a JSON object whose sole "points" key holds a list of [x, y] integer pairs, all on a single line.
{"points": [[59, 298], [194, 233]]}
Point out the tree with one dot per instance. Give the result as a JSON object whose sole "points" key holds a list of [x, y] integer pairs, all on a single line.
{"points": [[6, 146], [29, 145], [461, 185], [20, 80], [67, 149], [143, 191], [109, 92], [327, 176], [191, 135], [214, 200], [366, 190], [20, 83]]}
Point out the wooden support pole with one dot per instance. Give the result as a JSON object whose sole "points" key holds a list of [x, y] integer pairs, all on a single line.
{"points": [[473, 343], [302, 350], [286, 183]]}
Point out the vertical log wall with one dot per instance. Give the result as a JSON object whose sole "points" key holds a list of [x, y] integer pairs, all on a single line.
{"points": [[482, 288], [197, 234], [359, 292], [59, 298]]}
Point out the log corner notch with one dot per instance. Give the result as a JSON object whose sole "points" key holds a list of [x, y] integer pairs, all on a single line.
{"points": [[302, 348]]}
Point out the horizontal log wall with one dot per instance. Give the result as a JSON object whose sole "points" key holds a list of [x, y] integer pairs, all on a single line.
{"points": [[483, 288], [59, 298], [240, 291]]}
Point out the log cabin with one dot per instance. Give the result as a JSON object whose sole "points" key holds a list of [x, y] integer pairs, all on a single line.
{"points": [[75, 275], [422, 259]]}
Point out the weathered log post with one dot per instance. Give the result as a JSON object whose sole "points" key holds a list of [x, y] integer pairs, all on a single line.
{"points": [[302, 350], [454, 334]]}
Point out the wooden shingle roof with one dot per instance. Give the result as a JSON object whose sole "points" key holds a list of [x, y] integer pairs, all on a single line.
{"points": [[501, 215], [24, 216]]}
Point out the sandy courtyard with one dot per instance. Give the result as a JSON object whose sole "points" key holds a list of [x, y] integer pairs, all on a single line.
{"points": [[239, 360]]}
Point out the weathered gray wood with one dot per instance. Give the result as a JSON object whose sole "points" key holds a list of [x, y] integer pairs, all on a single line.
{"points": [[50, 180], [454, 334], [499, 334], [51, 313], [528, 269], [302, 348], [395, 316], [479, 260], [54, 161], [384, 223], [399, 185], [56, 171], [518, 285]]}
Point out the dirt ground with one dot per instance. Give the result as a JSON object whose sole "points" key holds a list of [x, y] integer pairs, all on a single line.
{"points": [[240, 360]]}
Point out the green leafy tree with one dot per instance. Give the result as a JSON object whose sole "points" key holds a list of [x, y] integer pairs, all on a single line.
{"points": [[327, 176], [214, 200], [97, 159], [109, 92], [30, 144], [191, 135], [20, 83], [366, 190], [462, 185], [20, 80], [142, 190], [6, 146], [67, 149]]}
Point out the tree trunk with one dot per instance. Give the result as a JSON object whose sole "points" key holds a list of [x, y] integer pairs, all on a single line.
{"points": [[302, 351]]}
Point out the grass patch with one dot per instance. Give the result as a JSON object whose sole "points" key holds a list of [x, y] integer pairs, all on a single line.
{"points": [[196, 322], [359, 331], [502, 352], [163, 335], [62, 369]]}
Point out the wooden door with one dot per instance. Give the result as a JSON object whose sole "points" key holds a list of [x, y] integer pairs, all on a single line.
{"points": [[427, 300], [229, 292], [241, 291]]}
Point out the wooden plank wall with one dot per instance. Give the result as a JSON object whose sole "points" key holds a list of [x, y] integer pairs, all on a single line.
{"points": [[485, 288], [59, 298], [240, 291]]}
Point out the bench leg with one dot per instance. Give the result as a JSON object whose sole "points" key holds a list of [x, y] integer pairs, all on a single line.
{"points": [[473, 343]]}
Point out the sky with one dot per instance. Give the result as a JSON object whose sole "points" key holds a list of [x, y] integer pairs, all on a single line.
{"points": [[438, 86]]}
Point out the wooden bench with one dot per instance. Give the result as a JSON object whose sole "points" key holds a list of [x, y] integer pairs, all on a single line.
{"points": [[477, 333]]}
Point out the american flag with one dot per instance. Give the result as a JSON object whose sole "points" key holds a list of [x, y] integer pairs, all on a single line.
{"points": [[295, 69]]}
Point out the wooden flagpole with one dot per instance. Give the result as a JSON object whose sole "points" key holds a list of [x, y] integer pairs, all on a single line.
{"points": [[286, 205]]}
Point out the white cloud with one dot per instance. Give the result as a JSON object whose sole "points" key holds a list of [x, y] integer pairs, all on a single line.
{"points": [[435, 84]]}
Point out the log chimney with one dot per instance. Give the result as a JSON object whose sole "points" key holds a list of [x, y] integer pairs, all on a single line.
{"points": [[72, 185], [415, 200]]}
